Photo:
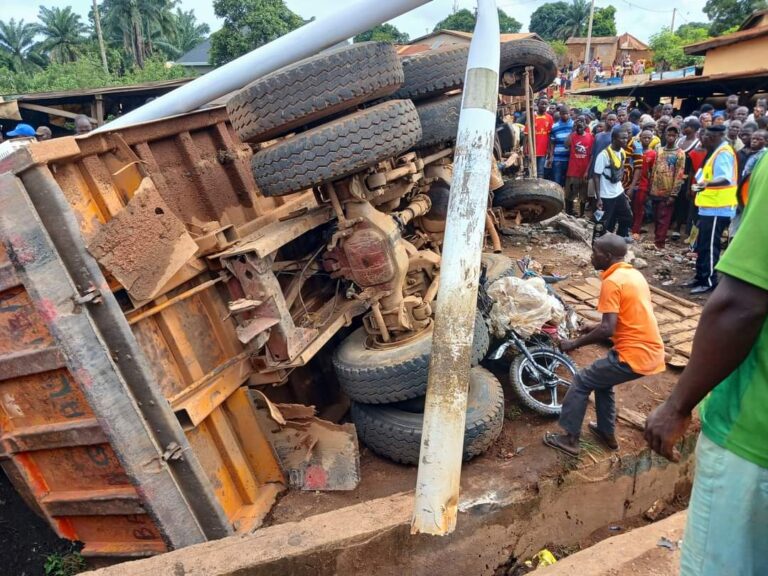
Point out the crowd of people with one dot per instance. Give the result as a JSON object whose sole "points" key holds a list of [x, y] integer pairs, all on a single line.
{"points": [[689, 176], [82, 125]]}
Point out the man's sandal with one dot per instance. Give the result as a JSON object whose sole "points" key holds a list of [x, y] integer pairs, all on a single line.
{"points": [[556, 441], [609, 441]]}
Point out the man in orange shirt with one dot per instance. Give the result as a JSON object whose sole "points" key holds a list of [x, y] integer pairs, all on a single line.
{"points": [[542, 128], [628, 320]]}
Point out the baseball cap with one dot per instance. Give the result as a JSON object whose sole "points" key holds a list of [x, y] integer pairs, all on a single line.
{"points": [[21, 130]]}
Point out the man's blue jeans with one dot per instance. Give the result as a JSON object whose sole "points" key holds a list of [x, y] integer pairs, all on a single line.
{"points": [[541, 170], [559, 168]]}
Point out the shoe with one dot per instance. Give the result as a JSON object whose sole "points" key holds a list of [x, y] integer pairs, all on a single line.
{"points": [[675, 235], [702, 289], [628, 240], [693, 283]]}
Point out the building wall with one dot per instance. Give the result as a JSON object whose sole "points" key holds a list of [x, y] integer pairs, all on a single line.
{"points": [[606, 52], [739, 57]]}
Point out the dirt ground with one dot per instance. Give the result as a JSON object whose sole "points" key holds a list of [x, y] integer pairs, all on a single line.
{"points": [[26, 540], [519, 453]]}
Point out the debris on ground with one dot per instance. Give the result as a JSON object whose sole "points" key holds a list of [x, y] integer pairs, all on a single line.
{"points": [[665, 542], [315, 454], [655, 511], [522, 305]]}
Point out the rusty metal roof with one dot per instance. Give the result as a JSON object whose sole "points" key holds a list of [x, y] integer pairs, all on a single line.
{"points": [[752, 80], [136, 89], [468, 36]]}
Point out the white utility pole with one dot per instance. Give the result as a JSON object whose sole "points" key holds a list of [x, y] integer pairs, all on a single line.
{"points": [[442, 441], [587, 59]]}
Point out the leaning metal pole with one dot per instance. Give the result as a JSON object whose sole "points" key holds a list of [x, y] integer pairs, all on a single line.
{"points": [[352, 17], [437, 483]]}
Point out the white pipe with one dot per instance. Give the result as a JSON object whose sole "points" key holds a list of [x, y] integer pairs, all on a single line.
{"points": [[437, 483], [349, 19]]}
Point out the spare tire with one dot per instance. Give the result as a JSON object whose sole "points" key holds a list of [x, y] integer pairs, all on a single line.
{"points": [[396, 434], [518, 54], [337, 149], [313, 89], [383, 375], [439, 121], [535, 199], [439, 71]]}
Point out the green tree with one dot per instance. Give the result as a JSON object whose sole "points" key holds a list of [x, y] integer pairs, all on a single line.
{"points": [[667, 48], [548, 19], [604, 22], [63, 33], [138, 25], [17, 44], [189, 33], [725, 14], [249, 24], [464, 21], [383, 33], [574, 20]]}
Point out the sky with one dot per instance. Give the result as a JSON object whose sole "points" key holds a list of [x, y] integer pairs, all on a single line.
{"points": [[640, 18]]}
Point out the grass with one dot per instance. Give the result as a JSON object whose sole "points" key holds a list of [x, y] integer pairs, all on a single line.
{"points": [[67, 564]]}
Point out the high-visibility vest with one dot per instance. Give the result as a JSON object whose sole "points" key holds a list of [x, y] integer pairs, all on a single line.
{"points": [[718, 196]]}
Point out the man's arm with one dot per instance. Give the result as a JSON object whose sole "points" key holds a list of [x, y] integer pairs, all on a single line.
{"points": [[600, 333], [734, 314]]}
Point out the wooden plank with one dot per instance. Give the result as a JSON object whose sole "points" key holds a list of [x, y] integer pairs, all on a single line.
{"points": [[53, 111], [577, 293], [593, 291], [670, 296], [684, 349], [681, 338]]}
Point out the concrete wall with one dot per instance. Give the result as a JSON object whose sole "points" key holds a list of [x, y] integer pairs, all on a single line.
{"points": [[497, 522], [739, 57]]}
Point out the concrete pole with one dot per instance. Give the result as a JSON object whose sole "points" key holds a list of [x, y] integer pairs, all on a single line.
{"points": [[587, 59], [349, 19], [530, 124], [437, 483]]}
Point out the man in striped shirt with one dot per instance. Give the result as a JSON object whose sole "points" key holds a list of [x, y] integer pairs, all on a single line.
{"points": [[558, 153]]}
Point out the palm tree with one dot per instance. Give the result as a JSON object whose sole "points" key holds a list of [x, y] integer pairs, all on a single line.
{"points": [[574, 20], [17, 42], [137, 24], [188, 32], [63, 32]]}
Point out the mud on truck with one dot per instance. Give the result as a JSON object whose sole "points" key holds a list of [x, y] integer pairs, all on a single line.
{"points": [[152, 274]]}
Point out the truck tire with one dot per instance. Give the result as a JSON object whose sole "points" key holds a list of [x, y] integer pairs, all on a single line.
{"points": [[535, 199], [337, 149], [380, 376], [433, 72], [313, 89], [497, 266], [396, 434], [439, 121], [439, 71], [518, 54]]}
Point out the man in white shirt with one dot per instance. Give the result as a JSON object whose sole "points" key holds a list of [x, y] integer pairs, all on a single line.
{"points": [[609, 168]]}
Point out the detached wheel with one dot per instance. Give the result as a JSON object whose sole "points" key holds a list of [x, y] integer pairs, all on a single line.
{"points": [[535, 199], [541, 393], [439, 121], [396, 434], [516, 56], [337, 149], [313, 89], [383, 375]]}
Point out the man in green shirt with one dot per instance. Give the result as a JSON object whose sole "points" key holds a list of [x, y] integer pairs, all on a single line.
{"points": [[727, 530]]}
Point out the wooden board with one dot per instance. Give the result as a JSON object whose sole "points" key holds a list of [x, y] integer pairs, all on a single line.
{"points": [[677, 317]]}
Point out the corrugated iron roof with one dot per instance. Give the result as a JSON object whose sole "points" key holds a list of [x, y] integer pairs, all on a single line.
{"points": [[595, 40], [700, 48], [468, 36]]}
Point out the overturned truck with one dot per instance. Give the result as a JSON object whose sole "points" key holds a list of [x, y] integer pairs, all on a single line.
{"points": [[151, 276]]}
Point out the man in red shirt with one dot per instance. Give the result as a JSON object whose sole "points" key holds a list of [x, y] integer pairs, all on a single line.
{"points": [[542, 127], [579, 143], [640, 192]]}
